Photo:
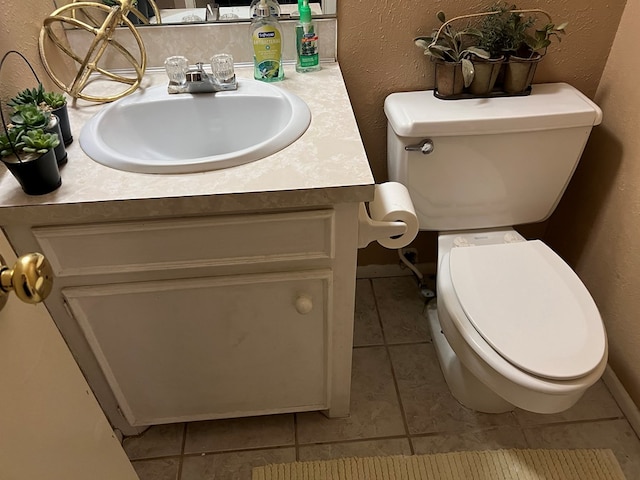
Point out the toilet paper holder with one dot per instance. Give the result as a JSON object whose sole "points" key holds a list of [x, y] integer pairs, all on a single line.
{"points": [[370, 230], [390, 219]]}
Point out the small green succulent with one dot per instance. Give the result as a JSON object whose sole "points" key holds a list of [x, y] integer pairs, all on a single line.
{"points": [[11, 141], [30, 116], [18, 140], [27, 96], [54, 99], [37, 96], [39, 141]]}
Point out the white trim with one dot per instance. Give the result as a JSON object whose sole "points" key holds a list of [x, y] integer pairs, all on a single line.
{"points": [[626, 404]]}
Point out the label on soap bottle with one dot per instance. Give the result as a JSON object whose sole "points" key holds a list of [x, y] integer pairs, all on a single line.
{"points": [[267, 51], [307, 46]]}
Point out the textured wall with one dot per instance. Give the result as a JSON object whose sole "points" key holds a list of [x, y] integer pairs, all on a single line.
{"points": [[597, 225], [20, 24], [377, 57]]}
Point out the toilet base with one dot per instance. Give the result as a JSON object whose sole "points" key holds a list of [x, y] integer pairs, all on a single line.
{"points": [[464, 386]]}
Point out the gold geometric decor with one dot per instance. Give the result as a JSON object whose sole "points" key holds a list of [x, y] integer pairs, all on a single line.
{"points": [[99, 22]]}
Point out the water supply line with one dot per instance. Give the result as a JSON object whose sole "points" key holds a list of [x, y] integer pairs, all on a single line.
{"points": [[410, 265], [424, 290]]}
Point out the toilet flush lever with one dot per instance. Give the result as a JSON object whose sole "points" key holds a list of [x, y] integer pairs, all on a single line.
{"points": [[425, 146]]}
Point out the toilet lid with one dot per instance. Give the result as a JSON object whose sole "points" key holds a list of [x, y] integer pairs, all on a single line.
{"points": [[530, 307]]}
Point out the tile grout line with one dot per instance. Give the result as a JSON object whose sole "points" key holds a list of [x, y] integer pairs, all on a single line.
{"points": [[295, 436], [181, 459], [393, 372]]}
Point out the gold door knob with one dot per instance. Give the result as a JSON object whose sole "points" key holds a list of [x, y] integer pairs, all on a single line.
{"points": [[31, 278]]}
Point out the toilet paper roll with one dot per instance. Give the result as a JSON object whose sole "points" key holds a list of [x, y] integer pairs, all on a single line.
{"points": [[392, 203]]}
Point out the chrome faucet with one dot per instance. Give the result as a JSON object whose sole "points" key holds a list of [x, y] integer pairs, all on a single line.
{"points": [[212, 12], [194, 79]]}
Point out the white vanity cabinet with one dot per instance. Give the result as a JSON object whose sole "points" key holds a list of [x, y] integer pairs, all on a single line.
{"points": [[182, 319], [219, 294]]}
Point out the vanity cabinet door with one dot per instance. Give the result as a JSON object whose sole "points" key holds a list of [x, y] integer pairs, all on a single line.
{"points": [[217, 347]]}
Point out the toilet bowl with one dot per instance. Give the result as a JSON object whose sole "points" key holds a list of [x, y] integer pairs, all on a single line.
{"points": [[513, 325], [520, 322]]}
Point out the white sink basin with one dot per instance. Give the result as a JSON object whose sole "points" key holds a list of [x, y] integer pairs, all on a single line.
{"points": [[152, 131]]}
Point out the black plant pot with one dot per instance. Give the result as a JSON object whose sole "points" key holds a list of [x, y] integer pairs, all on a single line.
{"points": [[36, 175], [60, 150], [65, 127]]}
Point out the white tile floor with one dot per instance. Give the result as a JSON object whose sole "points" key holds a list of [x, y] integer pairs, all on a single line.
{"points": [[400, 405]]}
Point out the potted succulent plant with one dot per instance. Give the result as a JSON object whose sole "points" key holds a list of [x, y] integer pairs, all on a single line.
{"points": [[29, 117], [30, 157], [53, 101], [452, 49]]}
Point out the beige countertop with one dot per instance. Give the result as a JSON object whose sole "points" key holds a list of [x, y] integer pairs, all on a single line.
{"points": [[327, 165]]}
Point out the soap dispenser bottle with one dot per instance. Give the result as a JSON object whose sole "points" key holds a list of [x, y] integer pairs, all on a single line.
{"points": [[307, 59], [266, 39]]}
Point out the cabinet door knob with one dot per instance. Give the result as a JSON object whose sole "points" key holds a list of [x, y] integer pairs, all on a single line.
{"points": [[304, 304]]}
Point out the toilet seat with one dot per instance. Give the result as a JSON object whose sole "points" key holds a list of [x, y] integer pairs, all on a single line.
{"points": [[523, 300]]}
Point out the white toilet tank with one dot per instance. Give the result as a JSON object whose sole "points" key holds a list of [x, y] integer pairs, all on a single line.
{"points": [[494, 162]]}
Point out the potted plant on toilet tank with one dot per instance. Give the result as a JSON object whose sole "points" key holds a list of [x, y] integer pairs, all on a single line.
{"points": [[451, 49], [522, 63], [507, 42]]}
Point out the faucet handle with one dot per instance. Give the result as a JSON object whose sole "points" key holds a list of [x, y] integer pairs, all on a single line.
{"points": [[176, 68], [222, 68]]}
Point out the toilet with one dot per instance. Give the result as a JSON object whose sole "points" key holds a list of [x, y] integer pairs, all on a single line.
{"points": [[512, 324]]}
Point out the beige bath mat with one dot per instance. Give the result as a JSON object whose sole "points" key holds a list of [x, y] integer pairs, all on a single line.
{"points": [[485, 465]]}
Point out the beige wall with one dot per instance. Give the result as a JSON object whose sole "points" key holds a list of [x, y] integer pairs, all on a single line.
{"points": [[597, 225], [20, 24], [377, 57]]}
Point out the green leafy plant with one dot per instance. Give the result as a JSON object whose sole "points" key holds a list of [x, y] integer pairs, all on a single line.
{"points": [[54, 99], [39, 141], [11, 141], [35, 142], [507, 32], [502, 31], [27, 96], [541, 38], [37, 96], [30, 116], [452, 45]]}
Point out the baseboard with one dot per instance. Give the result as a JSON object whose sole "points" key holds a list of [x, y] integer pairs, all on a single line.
{"points": [[619, 393], [395, 270]]}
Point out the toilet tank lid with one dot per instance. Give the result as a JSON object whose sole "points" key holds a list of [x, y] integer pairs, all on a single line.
{"points": [[549, 106]]}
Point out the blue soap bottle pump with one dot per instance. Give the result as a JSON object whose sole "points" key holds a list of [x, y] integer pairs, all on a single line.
{"points": [[308, 59]]}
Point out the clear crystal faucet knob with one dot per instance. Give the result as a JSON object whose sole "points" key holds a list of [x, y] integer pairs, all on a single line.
{"points": [[222, 68], [176, 68]]}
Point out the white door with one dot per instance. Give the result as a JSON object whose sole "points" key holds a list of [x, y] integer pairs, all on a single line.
{"points": [[51, 426]]}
